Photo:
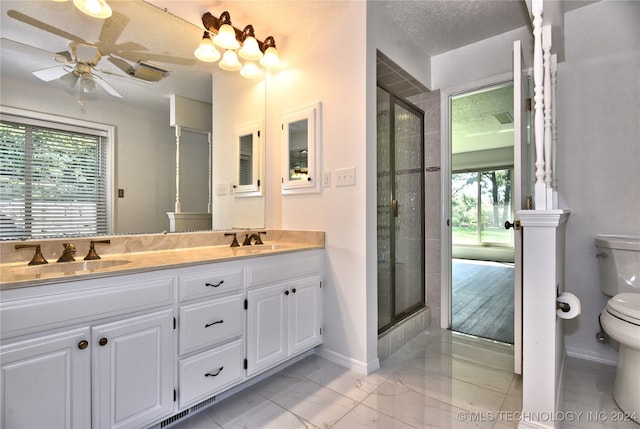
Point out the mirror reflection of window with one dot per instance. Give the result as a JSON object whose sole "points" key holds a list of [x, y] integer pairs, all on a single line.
{"points": [[298, 150], [246, 160]]}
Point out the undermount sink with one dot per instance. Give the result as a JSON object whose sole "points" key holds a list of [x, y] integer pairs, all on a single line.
{"points": [[76, 267]]}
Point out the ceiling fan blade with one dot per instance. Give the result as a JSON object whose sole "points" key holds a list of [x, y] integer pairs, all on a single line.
{"points": [[106, 86], [43, 26], [120, 63], [9, 45], [51, 73]]}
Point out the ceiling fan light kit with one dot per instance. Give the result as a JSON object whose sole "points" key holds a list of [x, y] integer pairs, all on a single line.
{"points": [[95, 8], [230, 39]]}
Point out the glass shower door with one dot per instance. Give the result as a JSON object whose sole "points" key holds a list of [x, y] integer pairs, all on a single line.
{"points": [[400, 155]]}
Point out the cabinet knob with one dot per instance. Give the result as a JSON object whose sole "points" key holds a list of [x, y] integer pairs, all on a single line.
{"points": [[293, 290], [286, 292], [103, 341], [83, 344]]}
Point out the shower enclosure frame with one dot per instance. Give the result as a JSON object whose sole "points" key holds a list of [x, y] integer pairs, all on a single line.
{"points": [[396, 316]]}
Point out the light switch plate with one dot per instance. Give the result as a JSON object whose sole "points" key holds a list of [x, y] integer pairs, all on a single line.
{"points": [[326, 178], [222, 189], [346, 176]]}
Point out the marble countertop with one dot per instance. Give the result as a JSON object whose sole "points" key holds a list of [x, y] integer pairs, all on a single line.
{"points": [[19, 274]]}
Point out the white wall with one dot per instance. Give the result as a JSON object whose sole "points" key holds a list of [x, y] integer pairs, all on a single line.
{"points": [[598, 151], [145, 149], [328, 67]]}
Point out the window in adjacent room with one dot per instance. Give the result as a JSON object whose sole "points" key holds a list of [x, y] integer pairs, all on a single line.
{"points": [[54, 179]]}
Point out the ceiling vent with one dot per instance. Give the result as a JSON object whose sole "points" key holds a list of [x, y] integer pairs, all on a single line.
{"points": [[503, 117], [147, 71]]}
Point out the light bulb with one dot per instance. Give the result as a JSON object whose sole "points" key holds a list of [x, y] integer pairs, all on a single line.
{"points": [[230, 61], [250, 49], [251, 71], [271, 58], [226, 37], [95, 8], [207, 51], [87, 84]]}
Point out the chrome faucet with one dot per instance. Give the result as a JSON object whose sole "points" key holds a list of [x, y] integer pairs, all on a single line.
{"points": [[255, 236], [67, 253]]}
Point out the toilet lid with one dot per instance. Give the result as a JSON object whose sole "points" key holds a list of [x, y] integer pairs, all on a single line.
{"points": [[626, 305]]}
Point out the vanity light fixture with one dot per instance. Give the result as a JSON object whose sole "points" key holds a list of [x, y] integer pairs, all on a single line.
{"points": [[244, 44]]}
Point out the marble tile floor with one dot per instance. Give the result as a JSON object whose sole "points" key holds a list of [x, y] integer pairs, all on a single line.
{"points": [[440, 379]]}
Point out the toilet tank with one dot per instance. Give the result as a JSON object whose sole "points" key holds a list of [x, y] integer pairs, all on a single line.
{"points": [[619, 258]]}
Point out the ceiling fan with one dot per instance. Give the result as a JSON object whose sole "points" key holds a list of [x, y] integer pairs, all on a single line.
{"points": [[80, 67]]}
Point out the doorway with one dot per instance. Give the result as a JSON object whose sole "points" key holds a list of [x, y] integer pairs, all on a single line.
{"points": [[482, 250], [400, 202]]}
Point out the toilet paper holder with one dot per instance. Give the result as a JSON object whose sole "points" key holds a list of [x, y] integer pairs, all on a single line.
{"points": [[564, 306]]}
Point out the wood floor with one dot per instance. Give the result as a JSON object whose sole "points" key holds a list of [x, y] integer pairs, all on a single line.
{"points": [[482, 299]]}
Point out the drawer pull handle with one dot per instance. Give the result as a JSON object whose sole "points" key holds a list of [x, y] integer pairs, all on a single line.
{"points": [[214, 285], [214, 323], [214, 375]]}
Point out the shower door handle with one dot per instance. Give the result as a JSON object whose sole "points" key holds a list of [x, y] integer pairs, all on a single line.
{"points": [[394, 208]]}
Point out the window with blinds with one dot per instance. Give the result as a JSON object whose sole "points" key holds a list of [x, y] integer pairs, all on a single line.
{"points": [[53, 180]]}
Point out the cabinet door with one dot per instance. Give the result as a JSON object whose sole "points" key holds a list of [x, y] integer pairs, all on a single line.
{"points": [[305, 314], [46, 382], [132, 370], [267, 331]]}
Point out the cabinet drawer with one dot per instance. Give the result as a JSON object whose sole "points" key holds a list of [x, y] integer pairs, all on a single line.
{"points": [[206, 374], [210, 283], [278, 269], [54, 310], [208, 323]]}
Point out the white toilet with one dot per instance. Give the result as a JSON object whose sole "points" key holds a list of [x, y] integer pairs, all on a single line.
{"points": [[619, 258]]}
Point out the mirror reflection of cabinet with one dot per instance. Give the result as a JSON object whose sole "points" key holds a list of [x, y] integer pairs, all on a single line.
{"points": [[301, 135], [248, 159]]}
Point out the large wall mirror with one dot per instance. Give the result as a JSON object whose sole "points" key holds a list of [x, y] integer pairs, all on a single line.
{"points": [[139, 36]]}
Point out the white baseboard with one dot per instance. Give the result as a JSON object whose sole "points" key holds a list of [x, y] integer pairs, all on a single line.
{"points": [[337, 358], [592, 358], [528, 424]]}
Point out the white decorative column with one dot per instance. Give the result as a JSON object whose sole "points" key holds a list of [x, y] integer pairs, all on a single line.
{"points": [[542, 336], [178, 208], [548, 159], [540, 199]]}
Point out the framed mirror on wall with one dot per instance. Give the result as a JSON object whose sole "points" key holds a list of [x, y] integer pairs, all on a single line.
{"points": [[249, 160], [301, 133]]}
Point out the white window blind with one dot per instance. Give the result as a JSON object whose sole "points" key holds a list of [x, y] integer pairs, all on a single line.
{"points": [[53, 180]]}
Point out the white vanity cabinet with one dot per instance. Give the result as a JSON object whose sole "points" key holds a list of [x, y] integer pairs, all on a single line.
{"points": [[46, 382], [284, 309], [132, 370], [95, 353], [211, 327], [145, 349]]}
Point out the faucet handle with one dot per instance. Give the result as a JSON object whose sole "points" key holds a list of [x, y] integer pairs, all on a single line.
{"points": [[247, 240], [67, 253], [37, 259], [92, 255], [234, 243], [258, 238]]}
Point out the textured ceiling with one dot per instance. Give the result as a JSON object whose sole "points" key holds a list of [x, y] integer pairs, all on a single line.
{"points": [[439, 26]]}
